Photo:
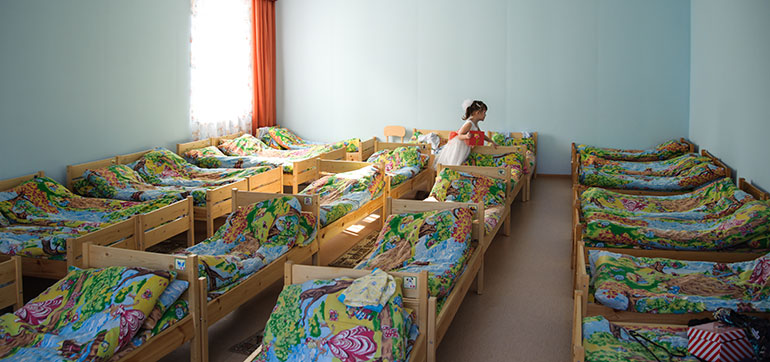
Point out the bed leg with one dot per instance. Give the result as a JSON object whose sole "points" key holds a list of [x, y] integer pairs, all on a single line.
{"points": [[480, 279], [529, 188], [315, 259], [432, 329], [507, 225]]}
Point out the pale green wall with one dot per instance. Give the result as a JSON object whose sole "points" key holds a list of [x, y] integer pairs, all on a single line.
{"points": [[730, 84], [86, 79], [604, 72]]}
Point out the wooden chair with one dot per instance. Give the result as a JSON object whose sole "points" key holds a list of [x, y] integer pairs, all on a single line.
{"points": [[395, 131]]}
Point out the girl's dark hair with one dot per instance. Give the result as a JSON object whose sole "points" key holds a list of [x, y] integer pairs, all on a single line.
{"points": [[475, 106]]}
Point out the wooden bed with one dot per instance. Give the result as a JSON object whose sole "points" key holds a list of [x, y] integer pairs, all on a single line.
{"points": [[11, 294], [139, 231], [575, 157], [576, 176], [365, 149], [414, 298], [438, 322], [578, 226], [190, 328], [583, 279], [501, 173], [525, 180], [520, 135], [215, 309], [326, 167], [218, 201], [302, 171], [426, 176]]}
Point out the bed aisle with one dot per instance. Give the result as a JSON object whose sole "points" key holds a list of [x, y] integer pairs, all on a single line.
{"points": [[525, 311]]}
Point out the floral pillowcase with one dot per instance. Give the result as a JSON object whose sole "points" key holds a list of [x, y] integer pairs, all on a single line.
{"points": [[209, 151]]}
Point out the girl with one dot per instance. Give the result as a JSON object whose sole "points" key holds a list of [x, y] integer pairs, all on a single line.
{"points": [[456, 150]]}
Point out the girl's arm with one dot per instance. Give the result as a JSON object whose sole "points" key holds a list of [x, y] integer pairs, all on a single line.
{"points": [[463, 133]]}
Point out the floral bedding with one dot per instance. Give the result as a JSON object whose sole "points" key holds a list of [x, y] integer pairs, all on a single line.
{"points": [[264, 157], [659, 285], [605, 341], [41, 214], [459, 186], [250, 239], [748, 226], [436, 241], [712, 201], [506, 140], [345, 192], [165, 168], [401, 163], [309, 323], [688, 178], [87, 316], [670, 167], [282, 138], [662, 151]]}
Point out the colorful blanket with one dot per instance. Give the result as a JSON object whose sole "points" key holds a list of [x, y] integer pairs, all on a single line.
{"points": [[506, 140], [712, 201], [87, 316], [121, 182], [251, 238], [605, 341], [345, 192], [436, 241], [309, 323], [658, 285], [684, 179], [401, 163], [459, 186], [282, 138], [164, 168], [748, 226], [41, 214], [662, 151], [670, 167], [264, 157]]}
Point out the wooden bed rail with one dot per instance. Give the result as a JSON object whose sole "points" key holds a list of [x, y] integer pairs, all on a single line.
{"points": [[752, 190], [11, 291], [578, 352], [727, 173], [16, 181]]}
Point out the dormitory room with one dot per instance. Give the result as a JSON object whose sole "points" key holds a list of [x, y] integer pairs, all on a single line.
{"points": [[392, 181]]}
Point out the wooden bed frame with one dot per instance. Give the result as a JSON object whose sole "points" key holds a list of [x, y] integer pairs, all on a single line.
{"points": [[438, 322], [520, 135], [218, 201], [502, 173], [575, 159], [582, 283], [578, 226], [11, 293], [365, 149], [576, 172], [414, 298], [302, 171], [333, 167], [156, 226], [526, 179], [219, 307], [426, 176], [190, 328]]}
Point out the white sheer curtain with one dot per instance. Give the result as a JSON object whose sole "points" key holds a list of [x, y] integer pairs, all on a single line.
{"points": [[221, 78]]}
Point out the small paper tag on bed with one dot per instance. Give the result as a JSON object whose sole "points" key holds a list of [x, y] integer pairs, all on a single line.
{"points": [[308, 200], [410, 283], [179, 264]]}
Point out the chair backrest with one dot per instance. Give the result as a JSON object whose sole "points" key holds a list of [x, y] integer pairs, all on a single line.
{"points": [[395, 131]]}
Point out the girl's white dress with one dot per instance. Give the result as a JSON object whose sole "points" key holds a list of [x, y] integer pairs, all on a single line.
{"points": [[456, 150]]}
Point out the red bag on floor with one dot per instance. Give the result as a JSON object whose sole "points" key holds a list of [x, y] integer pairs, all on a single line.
{"points": [[477, 138], [717, 342]]}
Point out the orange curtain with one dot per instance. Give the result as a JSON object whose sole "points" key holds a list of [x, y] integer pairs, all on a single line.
{"points": [[264, 64]]}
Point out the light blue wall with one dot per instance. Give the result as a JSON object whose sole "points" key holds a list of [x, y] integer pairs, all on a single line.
{"points": [[605, 72], [730, 84], [82, 80]]}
